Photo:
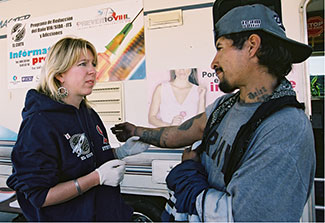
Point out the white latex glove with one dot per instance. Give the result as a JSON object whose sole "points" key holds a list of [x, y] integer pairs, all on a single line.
{"points": [[132, 146], [111, 173]]}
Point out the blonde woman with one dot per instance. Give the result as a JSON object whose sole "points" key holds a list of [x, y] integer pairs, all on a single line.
{"points": [[64, 168]]}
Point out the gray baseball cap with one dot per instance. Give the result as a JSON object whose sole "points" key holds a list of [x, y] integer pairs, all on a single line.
{"points": [[259, 17]]}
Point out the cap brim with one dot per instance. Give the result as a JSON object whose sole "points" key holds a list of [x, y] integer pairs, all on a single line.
{"points": [[299, 51]]}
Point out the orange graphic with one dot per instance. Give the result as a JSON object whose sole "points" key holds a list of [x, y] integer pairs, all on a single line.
{"points": [[104, 62], [130, 57]]}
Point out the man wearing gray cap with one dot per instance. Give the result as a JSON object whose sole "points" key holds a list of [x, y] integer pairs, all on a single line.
{"points": [[255, 157]]}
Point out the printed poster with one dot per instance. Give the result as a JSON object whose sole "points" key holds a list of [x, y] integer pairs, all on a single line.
{"points": [[116, 30], [178, 94]]}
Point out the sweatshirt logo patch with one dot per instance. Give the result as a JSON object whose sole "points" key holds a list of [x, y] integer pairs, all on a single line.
{"points": [[80, 145], [100, 132], [67, 136]]}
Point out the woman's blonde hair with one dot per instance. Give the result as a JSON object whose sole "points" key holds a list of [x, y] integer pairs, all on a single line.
{"points": [[60, 58]]}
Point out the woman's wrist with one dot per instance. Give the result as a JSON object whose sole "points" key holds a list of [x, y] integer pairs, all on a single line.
{"points": [[78, 188], [95, 178]]}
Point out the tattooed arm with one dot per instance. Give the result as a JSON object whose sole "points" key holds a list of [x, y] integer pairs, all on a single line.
{"points": [[171, 137]]}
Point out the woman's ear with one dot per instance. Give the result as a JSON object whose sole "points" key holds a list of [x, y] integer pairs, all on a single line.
{"points": [[60, 78], [254, 43]]}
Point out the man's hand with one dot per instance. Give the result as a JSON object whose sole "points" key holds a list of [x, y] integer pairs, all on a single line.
{"points": [[189, 154], [192, 153], [123, 131]]}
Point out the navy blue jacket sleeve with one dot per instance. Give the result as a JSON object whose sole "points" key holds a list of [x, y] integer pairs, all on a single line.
{"points": [[187, 180], [35, 160]]}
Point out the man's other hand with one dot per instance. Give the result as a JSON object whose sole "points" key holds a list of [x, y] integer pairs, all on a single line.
{"points": [[189, 154]]}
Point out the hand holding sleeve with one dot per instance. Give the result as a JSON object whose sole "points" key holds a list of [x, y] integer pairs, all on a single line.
{"points": [[111, 173], [131, 147]]}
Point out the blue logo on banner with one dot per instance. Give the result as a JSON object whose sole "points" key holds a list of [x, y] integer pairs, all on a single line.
{"points": [[27, 79]]}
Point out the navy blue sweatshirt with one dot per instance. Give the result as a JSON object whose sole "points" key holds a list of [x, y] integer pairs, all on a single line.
{"points": [[57, 143]]}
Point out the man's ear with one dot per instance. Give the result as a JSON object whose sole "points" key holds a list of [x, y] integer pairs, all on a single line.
{"points": [[254, 43]]}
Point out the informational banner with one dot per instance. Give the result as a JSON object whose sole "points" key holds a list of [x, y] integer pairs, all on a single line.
{"points": [[116, 29], [4, 22]]}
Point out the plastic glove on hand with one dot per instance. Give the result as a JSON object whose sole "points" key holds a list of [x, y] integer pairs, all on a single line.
{"points": [[111, 173], [131, 147], [123, 131]]}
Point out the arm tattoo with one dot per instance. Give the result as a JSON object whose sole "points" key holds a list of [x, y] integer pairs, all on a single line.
{"points": [[164, 137], [160, 137], [152, 136], [188, 124]]}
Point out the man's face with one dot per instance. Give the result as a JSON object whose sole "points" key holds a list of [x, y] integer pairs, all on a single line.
{"points": [[229, 64]]}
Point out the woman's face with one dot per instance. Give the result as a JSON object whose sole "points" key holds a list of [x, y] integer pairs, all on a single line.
{"points": [[183, 73], [80, 79]]}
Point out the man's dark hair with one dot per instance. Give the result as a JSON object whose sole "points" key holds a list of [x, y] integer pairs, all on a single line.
{"points": [[272, 53]]}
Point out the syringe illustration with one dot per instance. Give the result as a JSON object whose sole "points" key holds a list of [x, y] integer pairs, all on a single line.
{"points": [[104, 58], [130, 58]]}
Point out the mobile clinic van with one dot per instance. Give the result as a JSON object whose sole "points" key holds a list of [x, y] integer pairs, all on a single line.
{"points": [[143, 44]]}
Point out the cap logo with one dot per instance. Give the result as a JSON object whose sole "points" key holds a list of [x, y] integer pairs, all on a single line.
{"points": [[253, 23], [278, 21]]}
